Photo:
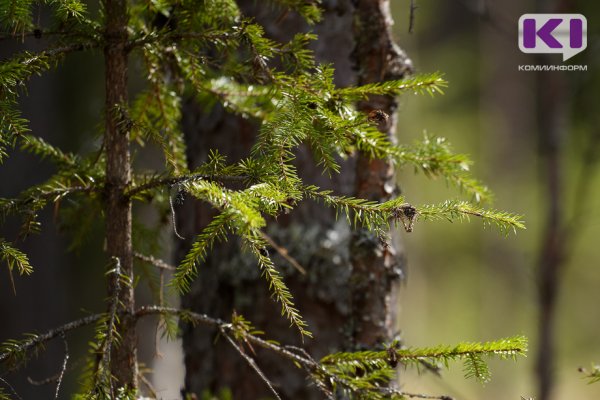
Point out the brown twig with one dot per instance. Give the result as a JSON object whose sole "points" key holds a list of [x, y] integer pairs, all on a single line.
{"points": [[54, 378], [148, 385], [38, 34], [63, 367], [411, 18], [252, 364], [52, 334], [154, 261], [12, 389], [303, 359], [181, 179], [282, 251]]}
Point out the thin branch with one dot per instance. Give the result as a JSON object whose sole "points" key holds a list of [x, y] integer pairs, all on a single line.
{"points": [[251, 362], [39, 34], [107, 345], [154, 37], [396, 392], [148, 385], [154, 261], [64, 366], [132, 192], [174, 218], [161, 302], [411, 18], [216, 322], [303, 359], [282, 251], [68, 49], [53, 195], [52, 334], [12, 389], [54, 378]]}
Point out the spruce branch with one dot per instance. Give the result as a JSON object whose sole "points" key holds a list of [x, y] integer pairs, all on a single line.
{"points": [[283, 252], [139, 190], [434, 156], [461, 210], [14, 257], [14, 352], [17, 70], [12, 124], [347, 364], [592, 375], [38, 33], [309, 10], [164, 38], [241, 213], [188, 269], [16, 15], [369, 214], [38, 146], [321, 372], [280, 291], [419, 84], [61, 185], [401, 394], [154, 261], [71, 10]]}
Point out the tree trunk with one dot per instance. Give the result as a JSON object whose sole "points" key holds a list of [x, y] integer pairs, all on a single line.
{"points": [[551, 128], [376, 267], [230, 280], [123, 364]]}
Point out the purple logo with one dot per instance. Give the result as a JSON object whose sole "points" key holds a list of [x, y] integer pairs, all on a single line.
{"points": [[553, 33]]}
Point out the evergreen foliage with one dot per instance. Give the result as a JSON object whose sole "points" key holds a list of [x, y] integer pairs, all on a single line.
{"points": [[592, 375], [210, 50]]}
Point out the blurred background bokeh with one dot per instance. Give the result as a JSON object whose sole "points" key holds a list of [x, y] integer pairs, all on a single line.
{"points": [[533, 137], [465, 283]]}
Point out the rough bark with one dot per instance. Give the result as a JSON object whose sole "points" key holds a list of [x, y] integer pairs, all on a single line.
{"points": [[376, 267], [118, 176]]}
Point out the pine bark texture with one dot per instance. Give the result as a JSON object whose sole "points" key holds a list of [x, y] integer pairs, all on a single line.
{"points": [[230, 280], [376, 266], [118, 176]]}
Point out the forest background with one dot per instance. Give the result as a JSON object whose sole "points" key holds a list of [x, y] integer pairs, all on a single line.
{"points": [[462, 284]]}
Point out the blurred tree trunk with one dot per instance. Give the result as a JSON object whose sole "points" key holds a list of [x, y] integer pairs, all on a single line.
{"points": [[229, 279], [551, 111]]}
